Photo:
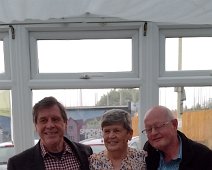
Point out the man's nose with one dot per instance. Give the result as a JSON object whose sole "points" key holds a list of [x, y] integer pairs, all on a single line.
{"points": [[154, 131], [50, 123], [111, 134]]}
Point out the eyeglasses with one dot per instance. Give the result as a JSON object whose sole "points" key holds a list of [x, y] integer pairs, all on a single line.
{"points": [[157, 127]]}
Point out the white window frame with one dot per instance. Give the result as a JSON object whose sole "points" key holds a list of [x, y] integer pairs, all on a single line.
{"points": [[4, 36], [85, 31], [178, 33], [150, 75]]}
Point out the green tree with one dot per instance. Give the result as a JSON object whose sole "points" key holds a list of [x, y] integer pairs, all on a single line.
{"points": [[118, 97]]}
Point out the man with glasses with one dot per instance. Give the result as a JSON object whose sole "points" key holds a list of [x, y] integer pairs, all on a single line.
{"points": [[169, 148]]}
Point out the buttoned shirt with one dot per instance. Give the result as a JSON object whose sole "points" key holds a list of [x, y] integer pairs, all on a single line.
{"points": [[65, 161]]}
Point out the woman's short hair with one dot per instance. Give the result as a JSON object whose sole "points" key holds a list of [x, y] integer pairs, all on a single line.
{"points": [[48, 102], [115, 116]]}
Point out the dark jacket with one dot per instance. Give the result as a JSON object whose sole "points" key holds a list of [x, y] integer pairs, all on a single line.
{"points": [[195, 156], [31, 159]]}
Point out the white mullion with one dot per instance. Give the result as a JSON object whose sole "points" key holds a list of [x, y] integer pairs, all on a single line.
{"points": [[149, 71], [21, 94]]}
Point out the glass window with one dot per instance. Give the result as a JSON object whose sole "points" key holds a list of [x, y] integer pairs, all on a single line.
{"points": [[86, 106], [5, 116], [2, 69], [193, 108], [6, 145], [86, 55], [188, 53]]}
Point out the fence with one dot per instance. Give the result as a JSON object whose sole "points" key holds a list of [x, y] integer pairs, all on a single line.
{"points": [[197, 125]]}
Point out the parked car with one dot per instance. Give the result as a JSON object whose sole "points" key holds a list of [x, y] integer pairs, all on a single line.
{"points": [[97, 145], [7, 150], [135, 142]]}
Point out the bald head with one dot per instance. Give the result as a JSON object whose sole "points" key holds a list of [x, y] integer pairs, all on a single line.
{"points": [[160, 112], [161, 128]]}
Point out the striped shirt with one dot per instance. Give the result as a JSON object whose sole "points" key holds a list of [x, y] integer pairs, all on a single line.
{"points": [[173, 164], [65, 161]]}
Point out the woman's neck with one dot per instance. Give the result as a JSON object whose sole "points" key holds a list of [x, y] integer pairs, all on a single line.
{"points": [[116, 157]]}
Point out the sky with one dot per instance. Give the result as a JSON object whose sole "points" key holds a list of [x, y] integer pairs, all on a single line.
{"points": [[76, 56], [196, 52]]}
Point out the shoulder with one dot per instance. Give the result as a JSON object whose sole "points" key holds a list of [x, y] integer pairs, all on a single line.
{"points": [[23, 158], [137, 154], [197, 148], [148, 147], [153, 157], [99, 161], [193, 145], [25, 154], [195, 151], [79, 146], [134, 151], [135, 159], [97, 156]]}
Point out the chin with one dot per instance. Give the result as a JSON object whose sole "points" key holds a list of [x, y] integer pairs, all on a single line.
{"points": [[157, 145], [112, 149]]}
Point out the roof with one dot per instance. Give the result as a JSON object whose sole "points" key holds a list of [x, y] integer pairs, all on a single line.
{"points": [[178, 12]]}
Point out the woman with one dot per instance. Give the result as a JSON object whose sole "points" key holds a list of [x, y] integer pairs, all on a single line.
{"points": [[117, 130]]}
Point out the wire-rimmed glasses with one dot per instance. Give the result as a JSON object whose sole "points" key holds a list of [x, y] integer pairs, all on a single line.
{"points": [[156, 127]]}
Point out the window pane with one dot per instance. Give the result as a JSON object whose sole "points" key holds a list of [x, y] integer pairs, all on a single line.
{"points": [[1, 58], [86, 106], [193, 108], [87, 55], [193, 53], [5, 116], [6, 147]]}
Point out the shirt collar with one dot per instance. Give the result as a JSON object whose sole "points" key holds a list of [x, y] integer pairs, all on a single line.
{"points": [[44, 152], [180, 149]]}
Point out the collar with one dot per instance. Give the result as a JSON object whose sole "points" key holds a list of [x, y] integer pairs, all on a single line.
{"points": [[180, 149], [44, 152]]}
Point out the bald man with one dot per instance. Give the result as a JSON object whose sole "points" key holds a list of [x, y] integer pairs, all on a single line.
{"points": [[169, 148]]}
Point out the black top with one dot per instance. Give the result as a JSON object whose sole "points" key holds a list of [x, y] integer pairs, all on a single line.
{"points": [[31, 159], [195, 156]]}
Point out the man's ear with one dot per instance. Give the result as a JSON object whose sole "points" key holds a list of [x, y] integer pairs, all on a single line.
{"points": [[175, 123]]}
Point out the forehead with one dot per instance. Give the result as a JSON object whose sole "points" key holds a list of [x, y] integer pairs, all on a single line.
{"points": [[49, 111], [114, 126], [155, 116]]}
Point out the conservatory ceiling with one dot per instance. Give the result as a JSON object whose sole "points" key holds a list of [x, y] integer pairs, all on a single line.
{"points": [[166, 11]]}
